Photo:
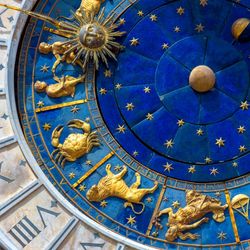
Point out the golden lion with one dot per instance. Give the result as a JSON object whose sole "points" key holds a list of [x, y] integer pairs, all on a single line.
{"points": [[114, 185], [197, 206]]}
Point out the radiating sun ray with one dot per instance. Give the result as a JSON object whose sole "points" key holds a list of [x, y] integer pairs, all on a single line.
{"points": [[91, 38]]}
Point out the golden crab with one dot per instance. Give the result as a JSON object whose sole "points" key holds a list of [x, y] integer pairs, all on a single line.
{"points": [[75, 145]]}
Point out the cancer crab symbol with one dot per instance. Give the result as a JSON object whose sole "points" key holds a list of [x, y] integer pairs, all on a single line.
{"points": [[75, 145]]}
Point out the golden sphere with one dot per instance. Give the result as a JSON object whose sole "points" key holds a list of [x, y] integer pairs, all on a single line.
{"points": [[202, 79], [239, 26]]}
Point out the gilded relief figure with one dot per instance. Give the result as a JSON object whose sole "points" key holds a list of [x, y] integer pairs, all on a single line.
{"points": [[114, 186], [191, 216], [76, 145], [65, 86], [59, 50], [89, 8]]}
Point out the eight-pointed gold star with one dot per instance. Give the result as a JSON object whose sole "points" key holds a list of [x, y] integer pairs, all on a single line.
{"points": [[40, 104], [169, 143], [241, 129], [147, 90], [130, 106], [103, 203], [165, 46], [168, 167], [46, 126], [180, 11], [118, 86], [208, 160], [199, 132], [131, 220], [82, 188], [72, 175], [244, 105], [140, 13], [214, 171], [222, 236], [199, 28], [121, 128], [149, 117], [242, 148], [177, 29], [153, 18], [191, 169], [45, 68], [220, 142], [180, 123], [134, 41], [203, 2], [107, 73], [122, 21], [235, 164], [103, 91]]}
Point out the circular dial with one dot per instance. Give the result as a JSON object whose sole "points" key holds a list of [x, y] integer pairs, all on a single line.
{"points": [[138, 113]]}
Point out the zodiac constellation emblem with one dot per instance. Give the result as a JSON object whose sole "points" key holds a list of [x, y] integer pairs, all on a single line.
{"points": [[190, 217], [240, 203], [76, 145], [114, 186]]}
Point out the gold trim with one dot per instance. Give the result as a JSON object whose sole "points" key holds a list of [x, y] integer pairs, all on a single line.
{"points": [[92, 170], [61, 105], [231, 213]]}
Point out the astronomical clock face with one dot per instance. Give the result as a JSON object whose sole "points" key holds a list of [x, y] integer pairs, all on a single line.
{"points": [[134, 117]]}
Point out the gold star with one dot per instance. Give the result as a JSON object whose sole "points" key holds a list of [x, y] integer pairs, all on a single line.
{"points": [[199, 132], [153, 18], [147, 90], [180, 123], [131, 220], [117, 168], [87, 119], [149, 117], [169, 143], [242, 149], [208, 160], [135, 153], [235, 164], [107, 73], [222, 236], [214, 171], [46, 126], [220, 142], [168, 167], [118, 86], [72, 175], [40, 104], [82, 188], [191, 169], [103, 91], [199, 28], [140, 13], [241, 129], [218, 194], [203, 2], [45, 68], [180, 11], [149, 200], [75, 110], [134, 41], [122, 21], [165, 46], [88, 162], [176, 204], [103, 203], [244, 105], [177, 29], [121, 129], [130, 106]]}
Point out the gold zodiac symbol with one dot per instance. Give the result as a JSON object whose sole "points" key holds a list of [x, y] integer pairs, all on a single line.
{"points": [[59, 50], [240, 203], [65, 86], [114, 186], [75, 145], [198, 205]]}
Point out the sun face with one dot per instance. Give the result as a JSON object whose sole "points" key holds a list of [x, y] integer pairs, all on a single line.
{"points": [[90, 38]]}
